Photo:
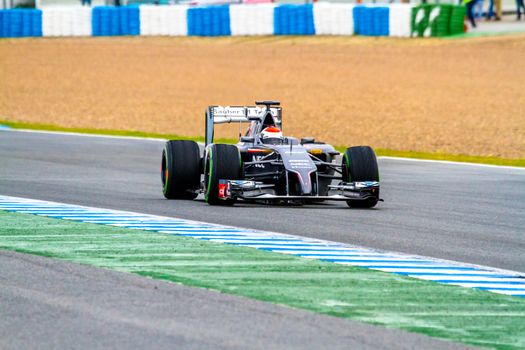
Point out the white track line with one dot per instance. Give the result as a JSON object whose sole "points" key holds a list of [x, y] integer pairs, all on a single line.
{"points": [[69, 133], [449, 162]]}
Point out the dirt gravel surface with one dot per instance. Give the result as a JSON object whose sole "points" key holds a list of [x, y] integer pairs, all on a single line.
{"points": [[452, 96]]}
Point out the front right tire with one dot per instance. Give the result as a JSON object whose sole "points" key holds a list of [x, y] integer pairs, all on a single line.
{"points": [[223, 162], [180, 169]]}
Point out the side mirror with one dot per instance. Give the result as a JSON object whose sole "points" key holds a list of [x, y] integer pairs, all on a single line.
{"points": [[248, 139]]}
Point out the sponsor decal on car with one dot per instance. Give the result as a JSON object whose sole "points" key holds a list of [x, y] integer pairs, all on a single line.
{"points": [[222, 190]]}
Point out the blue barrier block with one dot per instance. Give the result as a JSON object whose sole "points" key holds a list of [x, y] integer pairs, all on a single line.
{"points": [[124, 22], [8, 25], [2, 21], [199, 22], [215, 21], [133, 17], [191, 21], [224, 15], [286, 24], [111, 21], [209, 21], [381, 21], [114, 21], [206, 14], [37, 23], [225, 20], [5, 23], [300, 18], [20, 23], [104, 21], [294, 20], [27, 23], [288, 20], [198, 19], [368, 21], [278, 20], [15, 23], [289, 24], [309, 17], [214, 25], [371, 20], [96, 26], [300, 21], [134, 20], [358, 14]]}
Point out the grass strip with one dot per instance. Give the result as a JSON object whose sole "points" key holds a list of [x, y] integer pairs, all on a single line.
{"points": [[463, 158], [448, 312], [379, 151], [109, 132], [469, 35]]}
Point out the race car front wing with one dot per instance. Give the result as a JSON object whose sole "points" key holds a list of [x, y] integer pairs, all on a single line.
{"points": [[258, 191]]}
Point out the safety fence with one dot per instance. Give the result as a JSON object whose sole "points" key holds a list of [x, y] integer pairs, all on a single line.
{"points": [[400, 20]]}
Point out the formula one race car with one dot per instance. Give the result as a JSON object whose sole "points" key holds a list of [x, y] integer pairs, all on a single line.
{"points": [[265, 166]]}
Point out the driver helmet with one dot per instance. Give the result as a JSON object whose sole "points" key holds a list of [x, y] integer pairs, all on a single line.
{"points": [[272, 134]]}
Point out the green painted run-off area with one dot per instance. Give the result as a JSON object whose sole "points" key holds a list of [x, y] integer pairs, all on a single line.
{"points": [[455, 313]]}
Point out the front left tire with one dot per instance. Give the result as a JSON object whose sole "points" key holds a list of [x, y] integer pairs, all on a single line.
{"points": [[223, 162]]}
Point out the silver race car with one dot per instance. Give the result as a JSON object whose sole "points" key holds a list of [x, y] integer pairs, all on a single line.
{"points": [[266, 166]]}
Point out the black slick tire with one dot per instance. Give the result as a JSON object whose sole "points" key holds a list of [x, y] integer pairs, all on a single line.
{"points": [[360, 164], [180, 169], [222, 162]]}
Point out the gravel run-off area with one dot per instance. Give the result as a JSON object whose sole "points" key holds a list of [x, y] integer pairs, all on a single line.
{"points": [[464, 96]]}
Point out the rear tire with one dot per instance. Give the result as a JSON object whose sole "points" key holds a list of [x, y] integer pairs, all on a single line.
{"points": [[360, 164], [180, 169], [222, 162]]}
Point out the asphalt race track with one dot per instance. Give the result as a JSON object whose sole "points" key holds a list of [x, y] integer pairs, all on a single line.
{"points": [[466, 213]]}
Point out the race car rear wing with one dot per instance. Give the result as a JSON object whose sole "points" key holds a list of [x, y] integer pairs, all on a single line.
{"points": [[237, 114]]}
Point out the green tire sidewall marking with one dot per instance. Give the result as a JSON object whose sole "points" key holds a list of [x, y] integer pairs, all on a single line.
{"points": [[165, 189], [240, 163], [347, 162], [210, 168], [377, 168]]}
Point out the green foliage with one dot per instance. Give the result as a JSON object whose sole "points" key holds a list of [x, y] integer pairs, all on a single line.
{"points": [[26, 4]]}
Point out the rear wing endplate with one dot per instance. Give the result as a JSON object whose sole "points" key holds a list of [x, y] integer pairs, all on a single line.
{"points": [[236, 114]]}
